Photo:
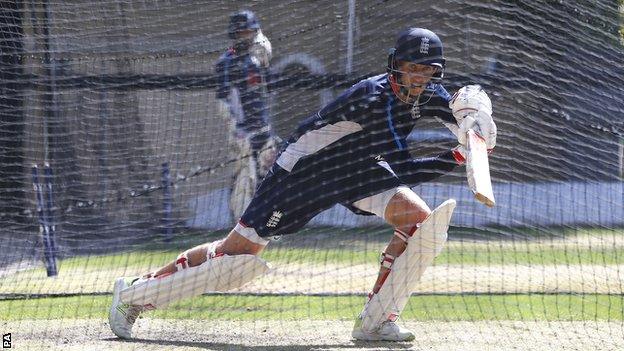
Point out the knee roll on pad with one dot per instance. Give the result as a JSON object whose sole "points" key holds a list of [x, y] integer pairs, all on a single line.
{"points": [[430, 242]]}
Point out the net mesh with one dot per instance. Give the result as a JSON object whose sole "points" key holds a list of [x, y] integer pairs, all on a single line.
{"points": [[116, 155]]}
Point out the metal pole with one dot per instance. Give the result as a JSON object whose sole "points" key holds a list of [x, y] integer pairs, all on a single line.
{"points": [[51, 118], [350, 30], [51, 111], [621, 154], [44, 228], [50, 211], [167, 203]]}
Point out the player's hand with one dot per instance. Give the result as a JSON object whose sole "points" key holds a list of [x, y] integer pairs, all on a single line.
{"points": [[469, 99], [482, 124], [468, 122], [486, 128], [460, 154], [261, 49], [472, 109]]}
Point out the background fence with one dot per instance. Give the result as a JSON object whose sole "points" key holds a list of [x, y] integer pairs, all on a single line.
{"points": [[114, 103]]}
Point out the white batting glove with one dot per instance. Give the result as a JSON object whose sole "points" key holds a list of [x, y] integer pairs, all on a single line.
{"points": [[487, 128], [471, 101], [261, 49], [468, 122]]}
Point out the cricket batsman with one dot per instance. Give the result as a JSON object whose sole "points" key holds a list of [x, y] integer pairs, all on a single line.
{"points": [[242, 100], [351, 152]]}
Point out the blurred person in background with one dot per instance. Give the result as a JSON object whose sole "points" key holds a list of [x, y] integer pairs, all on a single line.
{"points": [[243, 101]]}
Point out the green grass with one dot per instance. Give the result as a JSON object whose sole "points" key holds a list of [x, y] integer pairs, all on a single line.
{"points": [[472, 254], [321, 248], [420, 308], [361, 246], [530, 256]]}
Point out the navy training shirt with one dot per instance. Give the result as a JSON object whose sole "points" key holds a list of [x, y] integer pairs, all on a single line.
{"points": [[244, 73], [363, 128]]}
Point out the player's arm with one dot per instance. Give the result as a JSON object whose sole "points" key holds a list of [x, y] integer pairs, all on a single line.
{"points": [[476, 135], [222, 75], [253, 94], [472, 109], [438, 107], [417, 171]]}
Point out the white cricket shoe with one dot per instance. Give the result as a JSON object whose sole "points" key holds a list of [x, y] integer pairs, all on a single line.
{"points": [[387, 331], [122, 316]]}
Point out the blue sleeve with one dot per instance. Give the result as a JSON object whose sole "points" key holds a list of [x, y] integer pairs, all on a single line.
{"points": [[223, 80], [350, 105], [438, 106], [254, 98], [417, 171], [413, 172]]}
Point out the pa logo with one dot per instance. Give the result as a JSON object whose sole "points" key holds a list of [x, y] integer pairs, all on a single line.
{"points": [[6, 341]]}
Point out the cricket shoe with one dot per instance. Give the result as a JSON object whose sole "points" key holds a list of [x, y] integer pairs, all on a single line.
{"points": [[122, 316], [387, 331]]}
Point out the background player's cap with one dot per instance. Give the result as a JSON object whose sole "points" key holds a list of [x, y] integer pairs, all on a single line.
{"points": [[242, 20], [419, 45]]}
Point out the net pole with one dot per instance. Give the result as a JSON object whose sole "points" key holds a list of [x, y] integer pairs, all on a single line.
{"points": [[44, 228], [167, 203]]}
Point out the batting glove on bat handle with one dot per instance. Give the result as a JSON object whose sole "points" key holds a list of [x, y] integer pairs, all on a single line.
{"points": [[459, 154], [467, 123]]}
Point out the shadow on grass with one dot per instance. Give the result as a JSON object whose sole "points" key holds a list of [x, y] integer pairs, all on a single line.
{"points": [[352, 344]]}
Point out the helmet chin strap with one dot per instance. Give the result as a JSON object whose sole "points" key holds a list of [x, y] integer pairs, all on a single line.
{"points": [[403, 93]]}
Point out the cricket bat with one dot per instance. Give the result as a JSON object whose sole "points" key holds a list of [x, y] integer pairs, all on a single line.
{"points": [[478, 169]]}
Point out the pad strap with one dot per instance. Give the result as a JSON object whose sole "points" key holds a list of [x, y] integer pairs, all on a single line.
{"points": [[211, 251], [387, 260], [404, 236], [182, 261]]}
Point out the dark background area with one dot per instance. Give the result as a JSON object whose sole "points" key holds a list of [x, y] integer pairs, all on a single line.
{"points": [[107, 91]]}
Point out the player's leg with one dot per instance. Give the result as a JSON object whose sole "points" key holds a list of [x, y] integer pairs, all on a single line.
{"points": [[404, 212], [401, 208], [233, 244], [221, 265], [243, 239], [255, 154], [202, 269], [400, 270], [195, 270], [244, 178]]}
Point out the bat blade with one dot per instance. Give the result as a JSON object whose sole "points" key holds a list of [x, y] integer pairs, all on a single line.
{"points": [[478, 169]]}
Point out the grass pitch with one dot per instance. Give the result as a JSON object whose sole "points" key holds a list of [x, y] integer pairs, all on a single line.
{"points": [[517, 307], [555, 292]]}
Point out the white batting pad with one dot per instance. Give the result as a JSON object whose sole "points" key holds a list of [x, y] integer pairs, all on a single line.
{"points": [[217, 274], [422, 248]]}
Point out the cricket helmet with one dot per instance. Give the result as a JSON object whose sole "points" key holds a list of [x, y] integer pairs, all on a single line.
{"points": [[419, 46], [240, 21]]}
